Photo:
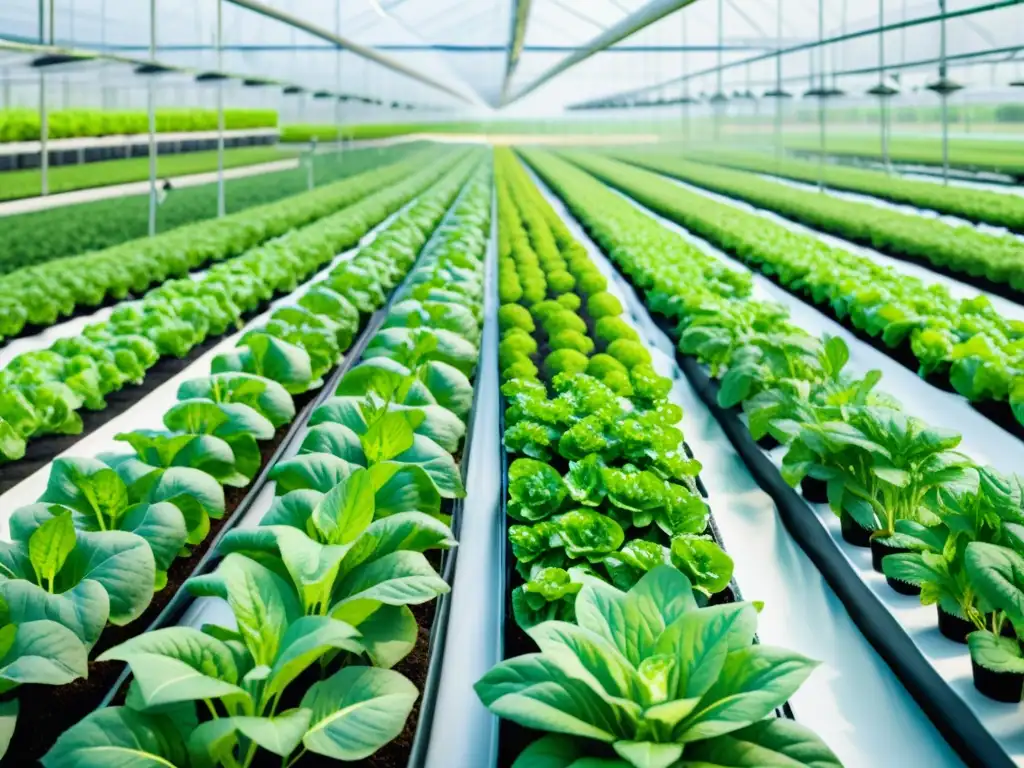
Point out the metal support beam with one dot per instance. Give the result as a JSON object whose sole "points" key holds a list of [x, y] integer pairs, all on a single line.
{"points": [[899, 25], [221, 203], [151, 109], [44, 122], [643, 17], [944, 96], [349, 45], [520, 18]]}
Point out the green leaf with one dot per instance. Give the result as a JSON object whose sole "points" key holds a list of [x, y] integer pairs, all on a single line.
{"points": [[589, 658], [450, 387], [403, 488], [82, 609], [356, 711], [316, 471], [634, 621], [87, 486], [531, 691], [707, 566], [280, 734], [752, 683], [213, 743], [266, 396], [439, 465], [997, 573], [347, 509], [551, 751], [198, 496], [389, 634], [263, 604], [178, 664], [42, 652], [305, 641], [49, 547], [995, 653], [772, 743], [118, 736], [700, 642], [409, 531], [399, 578], [387, 437], [267, 356], [647, 754], [121, 562], [335, 439], [162, 526]]}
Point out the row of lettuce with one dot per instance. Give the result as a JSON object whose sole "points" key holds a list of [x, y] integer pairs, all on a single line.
{"points": [[965, 344], [44, 390], [977, 205], [321, 591], [39, 295], [993, 155], [966, 250], [37, 237], [97, 547], [643, 661], [21, 124], [938, 523]]}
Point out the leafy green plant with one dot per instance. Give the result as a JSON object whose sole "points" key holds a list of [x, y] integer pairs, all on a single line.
{"points": [[33, 651], [235, 680], [646, 678]]}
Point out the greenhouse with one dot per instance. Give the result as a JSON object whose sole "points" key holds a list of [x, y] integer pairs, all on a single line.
{"points": [[512, 383]]}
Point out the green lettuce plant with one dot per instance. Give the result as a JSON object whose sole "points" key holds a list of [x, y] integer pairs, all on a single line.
{"points": [[648, 679], [339, 561], [214, 697]]}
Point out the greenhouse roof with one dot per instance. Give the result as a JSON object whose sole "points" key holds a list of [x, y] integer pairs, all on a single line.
{"points": [[459, 50]]}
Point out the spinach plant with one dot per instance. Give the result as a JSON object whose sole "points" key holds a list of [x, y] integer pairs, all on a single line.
{"points": [[648, 679], [339, 561]]}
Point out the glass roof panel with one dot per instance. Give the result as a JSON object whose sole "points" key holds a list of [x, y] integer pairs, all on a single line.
{"points": [[463, 44]]}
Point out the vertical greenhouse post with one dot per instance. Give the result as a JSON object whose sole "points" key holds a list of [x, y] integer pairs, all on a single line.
{"points": [[44, 123], [883, 104], [685, 98], [221, 205], [778, 93], [337, 84], [718, 100], [944, 95], [944, 87], [821, 97], [151, 109]]}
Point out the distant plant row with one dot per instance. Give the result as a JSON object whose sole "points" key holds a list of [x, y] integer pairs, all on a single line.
{"points": [[25, 125]]}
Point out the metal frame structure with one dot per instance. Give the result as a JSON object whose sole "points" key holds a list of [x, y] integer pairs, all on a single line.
{"points": [[517, 39], [639, 19], [623, 97], [360, 50]]}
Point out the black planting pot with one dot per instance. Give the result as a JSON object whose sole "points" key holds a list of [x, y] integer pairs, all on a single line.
{"points": [[954, 628], [768, 442], [902, 587], [814, 490], [880, 549], [999, 686], [854, 533]]}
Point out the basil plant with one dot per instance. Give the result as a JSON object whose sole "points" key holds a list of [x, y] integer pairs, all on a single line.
{"points": [[648, 679]]}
